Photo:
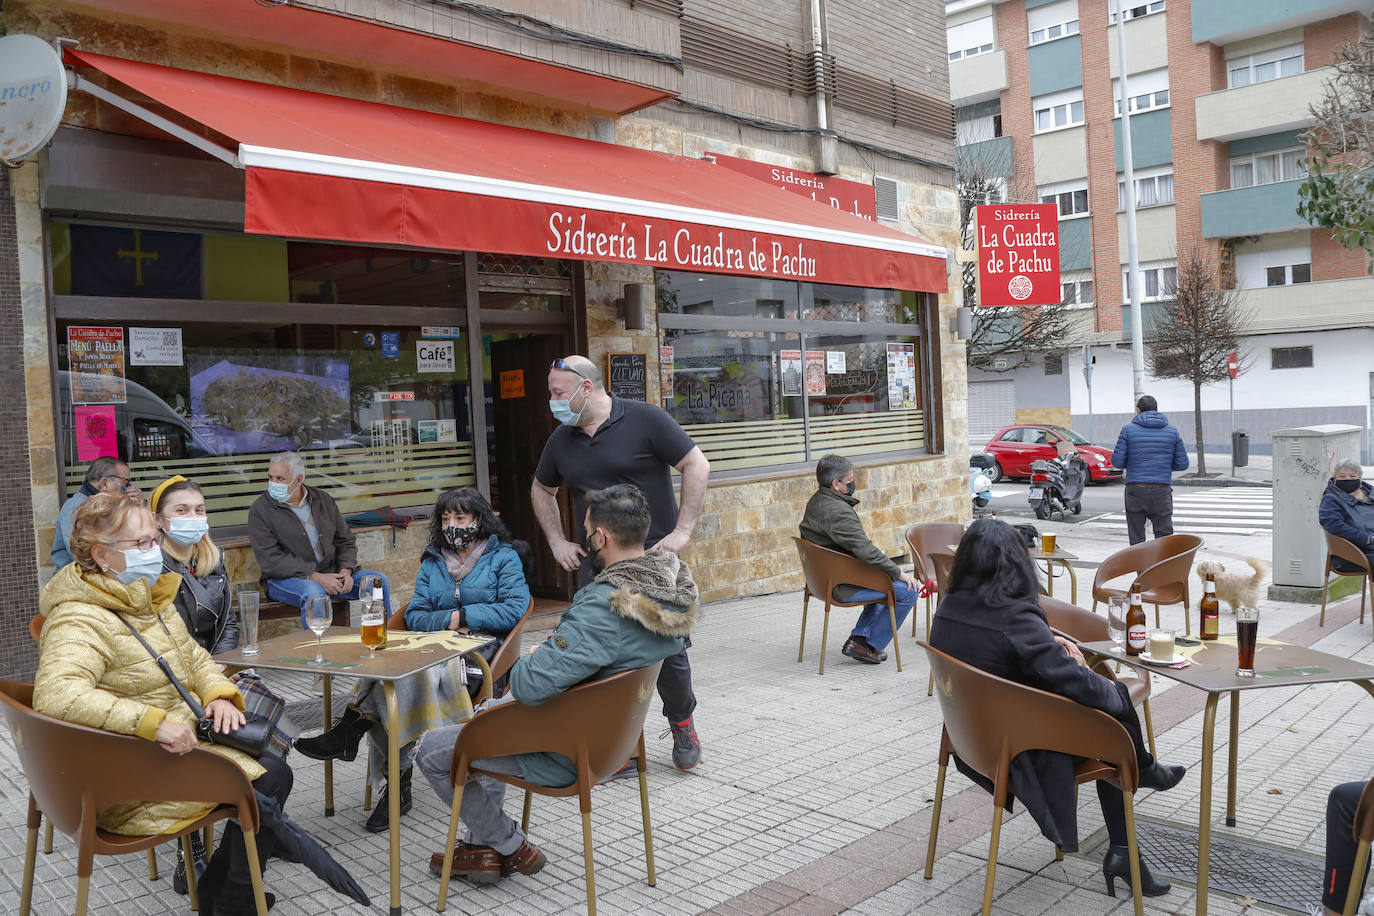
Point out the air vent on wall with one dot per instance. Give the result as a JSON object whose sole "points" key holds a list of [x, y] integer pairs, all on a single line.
{"points": [[886, 190]]}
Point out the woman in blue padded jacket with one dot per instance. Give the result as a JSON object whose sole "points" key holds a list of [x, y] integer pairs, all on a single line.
{"points": [[471, 580]]}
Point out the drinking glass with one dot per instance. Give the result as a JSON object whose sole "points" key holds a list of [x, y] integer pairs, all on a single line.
{"points": [[1047, 543], [373, 618], [1116, 619], [319, 614], [248, 621], [1247, 634]]}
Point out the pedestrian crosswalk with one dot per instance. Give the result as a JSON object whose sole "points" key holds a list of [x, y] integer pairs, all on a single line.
{"points": [[1220, 510]]}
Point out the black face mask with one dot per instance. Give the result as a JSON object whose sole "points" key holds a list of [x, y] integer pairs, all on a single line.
{"points": [[594, 554], [461, 538], [849, 488], [1349, 486]]}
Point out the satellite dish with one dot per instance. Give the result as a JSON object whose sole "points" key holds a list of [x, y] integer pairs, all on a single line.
{"points": [[33, 95]]}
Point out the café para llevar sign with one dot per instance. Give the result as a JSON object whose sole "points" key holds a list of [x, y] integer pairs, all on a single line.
{"points": [[1018, 254]]}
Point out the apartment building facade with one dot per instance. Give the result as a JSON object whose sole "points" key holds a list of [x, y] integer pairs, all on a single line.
{"points": [[1219, 94], [362, 230]]}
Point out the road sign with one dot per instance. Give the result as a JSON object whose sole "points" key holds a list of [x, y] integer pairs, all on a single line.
{"points": [[1233, 365]]}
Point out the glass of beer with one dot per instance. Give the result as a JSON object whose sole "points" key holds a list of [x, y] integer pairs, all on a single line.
{"points": [[374, 615], [1247, 634], [1047, 543]]}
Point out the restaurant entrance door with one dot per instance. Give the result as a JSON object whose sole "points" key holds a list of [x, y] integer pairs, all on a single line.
{"points": [[520, 410]]}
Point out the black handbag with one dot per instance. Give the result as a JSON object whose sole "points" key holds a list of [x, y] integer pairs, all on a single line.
{"points": [[253, 735]]}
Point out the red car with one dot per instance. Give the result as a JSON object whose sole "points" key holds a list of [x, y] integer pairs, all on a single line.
{"points": [[1015, 447]]}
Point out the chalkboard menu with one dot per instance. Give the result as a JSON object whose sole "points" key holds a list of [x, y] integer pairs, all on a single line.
{"points": [[628, 374]]}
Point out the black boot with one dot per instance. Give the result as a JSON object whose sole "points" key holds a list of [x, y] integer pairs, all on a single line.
{"points": [[380, 818], [198, 853], [1161, 777], [1117, 864], [340, 742]]}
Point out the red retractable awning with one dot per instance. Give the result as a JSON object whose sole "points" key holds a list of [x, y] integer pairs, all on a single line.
{"points": [[319, 166]]}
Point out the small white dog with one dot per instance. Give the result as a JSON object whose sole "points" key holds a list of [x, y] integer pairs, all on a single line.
{"points": [[1237, 589]]}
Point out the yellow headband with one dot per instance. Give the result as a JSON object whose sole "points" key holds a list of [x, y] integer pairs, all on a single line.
{"points": [[157, 493]]}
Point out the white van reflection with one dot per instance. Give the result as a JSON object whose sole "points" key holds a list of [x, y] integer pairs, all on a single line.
{"points": [[147, 428]]}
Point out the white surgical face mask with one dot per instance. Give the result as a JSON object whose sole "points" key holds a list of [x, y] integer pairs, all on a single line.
{"points": [[278, 491], [141, 564], [189, 530]]}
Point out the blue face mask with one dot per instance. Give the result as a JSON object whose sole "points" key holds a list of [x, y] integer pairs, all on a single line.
{"points": [[141, 564], [188, 531], [562, 411], [278, 491]]}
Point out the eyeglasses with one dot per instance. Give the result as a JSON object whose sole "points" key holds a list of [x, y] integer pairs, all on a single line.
{"points": [[146, 543], [569, 367], [125, 480]]}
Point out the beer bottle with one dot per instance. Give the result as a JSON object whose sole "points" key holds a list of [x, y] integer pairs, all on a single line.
{"points": [[1209, 610], [1135, 623]]}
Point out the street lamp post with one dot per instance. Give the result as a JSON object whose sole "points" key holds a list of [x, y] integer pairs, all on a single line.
{"points": [[1132, 240]]}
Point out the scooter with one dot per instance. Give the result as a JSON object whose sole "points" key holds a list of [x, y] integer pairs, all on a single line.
{"points": [[980, 488], [1057, 485]]}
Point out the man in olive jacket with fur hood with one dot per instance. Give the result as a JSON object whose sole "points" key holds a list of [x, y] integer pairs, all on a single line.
{"points": [[635, 612]]}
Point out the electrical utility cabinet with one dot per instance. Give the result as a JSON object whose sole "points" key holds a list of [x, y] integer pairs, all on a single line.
{"points": [[1303, 459]]}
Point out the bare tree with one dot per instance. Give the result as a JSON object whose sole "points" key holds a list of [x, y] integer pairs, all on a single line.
{"points": [[1198, 330], [1013, 330], [1339, 191]]}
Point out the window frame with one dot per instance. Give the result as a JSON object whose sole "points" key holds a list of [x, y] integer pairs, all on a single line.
{"points": [[1256, 59], [1154, 177], [1165, 289], [1054, 102], [987, 30], [1288, 274], [1156, 93], [1067, 28], [1252, 161], [1078, 280], [1296, 354], [1149, 9], [1069, 191]]}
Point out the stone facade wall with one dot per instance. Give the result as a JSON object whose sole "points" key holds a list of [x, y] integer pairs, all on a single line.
{"points": [[1051, 416]]}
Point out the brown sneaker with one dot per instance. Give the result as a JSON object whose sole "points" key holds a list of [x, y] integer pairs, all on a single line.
{"points": [[527, 860], [478, 864]]}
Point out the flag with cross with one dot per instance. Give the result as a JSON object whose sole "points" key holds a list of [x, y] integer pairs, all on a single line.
{"points": [[145, 263]]}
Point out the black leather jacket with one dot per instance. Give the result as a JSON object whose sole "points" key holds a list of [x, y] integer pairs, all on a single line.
{"points": [[206, 608]]}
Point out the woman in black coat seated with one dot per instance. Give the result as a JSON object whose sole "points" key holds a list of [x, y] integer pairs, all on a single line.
{"points": [[990, 618], [1347, 511]]}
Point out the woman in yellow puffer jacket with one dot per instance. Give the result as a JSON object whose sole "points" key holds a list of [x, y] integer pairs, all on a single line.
{"points": [[92, 671]]}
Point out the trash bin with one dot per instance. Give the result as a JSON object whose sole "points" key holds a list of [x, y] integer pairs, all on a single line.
{"points": [[1240, 448]]}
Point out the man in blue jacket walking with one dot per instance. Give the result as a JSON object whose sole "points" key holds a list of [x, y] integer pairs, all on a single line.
{"points": [[1149, 450]]}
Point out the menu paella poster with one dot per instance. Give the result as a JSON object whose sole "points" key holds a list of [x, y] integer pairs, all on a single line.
{"points": [[815, 372], [95, 361], [901, 375]]}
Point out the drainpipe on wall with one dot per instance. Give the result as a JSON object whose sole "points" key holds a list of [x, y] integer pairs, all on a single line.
{"points": [[823, 146]]}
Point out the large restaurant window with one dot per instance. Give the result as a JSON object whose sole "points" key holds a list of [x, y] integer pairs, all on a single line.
{"points": [[205, 354], [765, 372]]}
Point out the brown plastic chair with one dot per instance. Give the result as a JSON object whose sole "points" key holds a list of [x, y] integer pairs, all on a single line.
{"points": [[75, 772], [824, 569], [1340, 547], [989, 720], [925, 539], [1364, 835], [1161, 569], [599, 725], [1082, 625]]}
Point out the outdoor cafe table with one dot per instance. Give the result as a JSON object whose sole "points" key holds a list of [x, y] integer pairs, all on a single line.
{"points": [[1213, 671], [1058, 555], [406, 653]]}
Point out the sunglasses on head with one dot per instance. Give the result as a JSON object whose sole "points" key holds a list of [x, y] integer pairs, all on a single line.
{"points": [[569, 367]]}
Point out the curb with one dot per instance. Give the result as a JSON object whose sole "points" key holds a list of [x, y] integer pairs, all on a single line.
{"points": [[1220, 482]]}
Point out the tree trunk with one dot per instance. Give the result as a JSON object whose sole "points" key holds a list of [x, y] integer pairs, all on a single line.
{"points": [[1197, 427]]}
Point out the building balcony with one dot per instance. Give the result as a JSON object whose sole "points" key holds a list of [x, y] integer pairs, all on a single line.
{"points": [[986, 158], [1259, 210], [978, 78], [1260, 108], [1223, 21], [1327, 305]]}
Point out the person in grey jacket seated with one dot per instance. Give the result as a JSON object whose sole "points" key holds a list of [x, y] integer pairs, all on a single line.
{"points": [[635, 612], [991, 618], [831, 521], [1347, 511]]}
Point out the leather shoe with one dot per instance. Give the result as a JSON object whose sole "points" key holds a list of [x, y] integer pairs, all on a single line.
{"points": [[861, 651], [1161, 777], [478, 864], [527, 860]]}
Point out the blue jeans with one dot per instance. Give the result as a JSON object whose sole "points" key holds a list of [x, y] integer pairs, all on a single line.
{"points": [[874, 624], [295, 591]]}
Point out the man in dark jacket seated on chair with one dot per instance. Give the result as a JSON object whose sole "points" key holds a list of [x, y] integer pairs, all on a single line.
{"points": [[636, 611], [830, 521]]}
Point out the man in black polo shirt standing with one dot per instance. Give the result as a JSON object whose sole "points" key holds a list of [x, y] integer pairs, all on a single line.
{"points": [[603, 441]]}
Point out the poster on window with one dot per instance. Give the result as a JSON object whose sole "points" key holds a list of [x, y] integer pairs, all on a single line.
{"points": [[95, 432], [815, 372], [791, 373], [834, 362], [95, 358], [155, 346], [437, 431], [665, 373], [267, 402], [901, 375]]}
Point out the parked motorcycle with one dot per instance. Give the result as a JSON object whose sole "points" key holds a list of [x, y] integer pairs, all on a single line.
{"points": [[1057, 485], [980, 488]]}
